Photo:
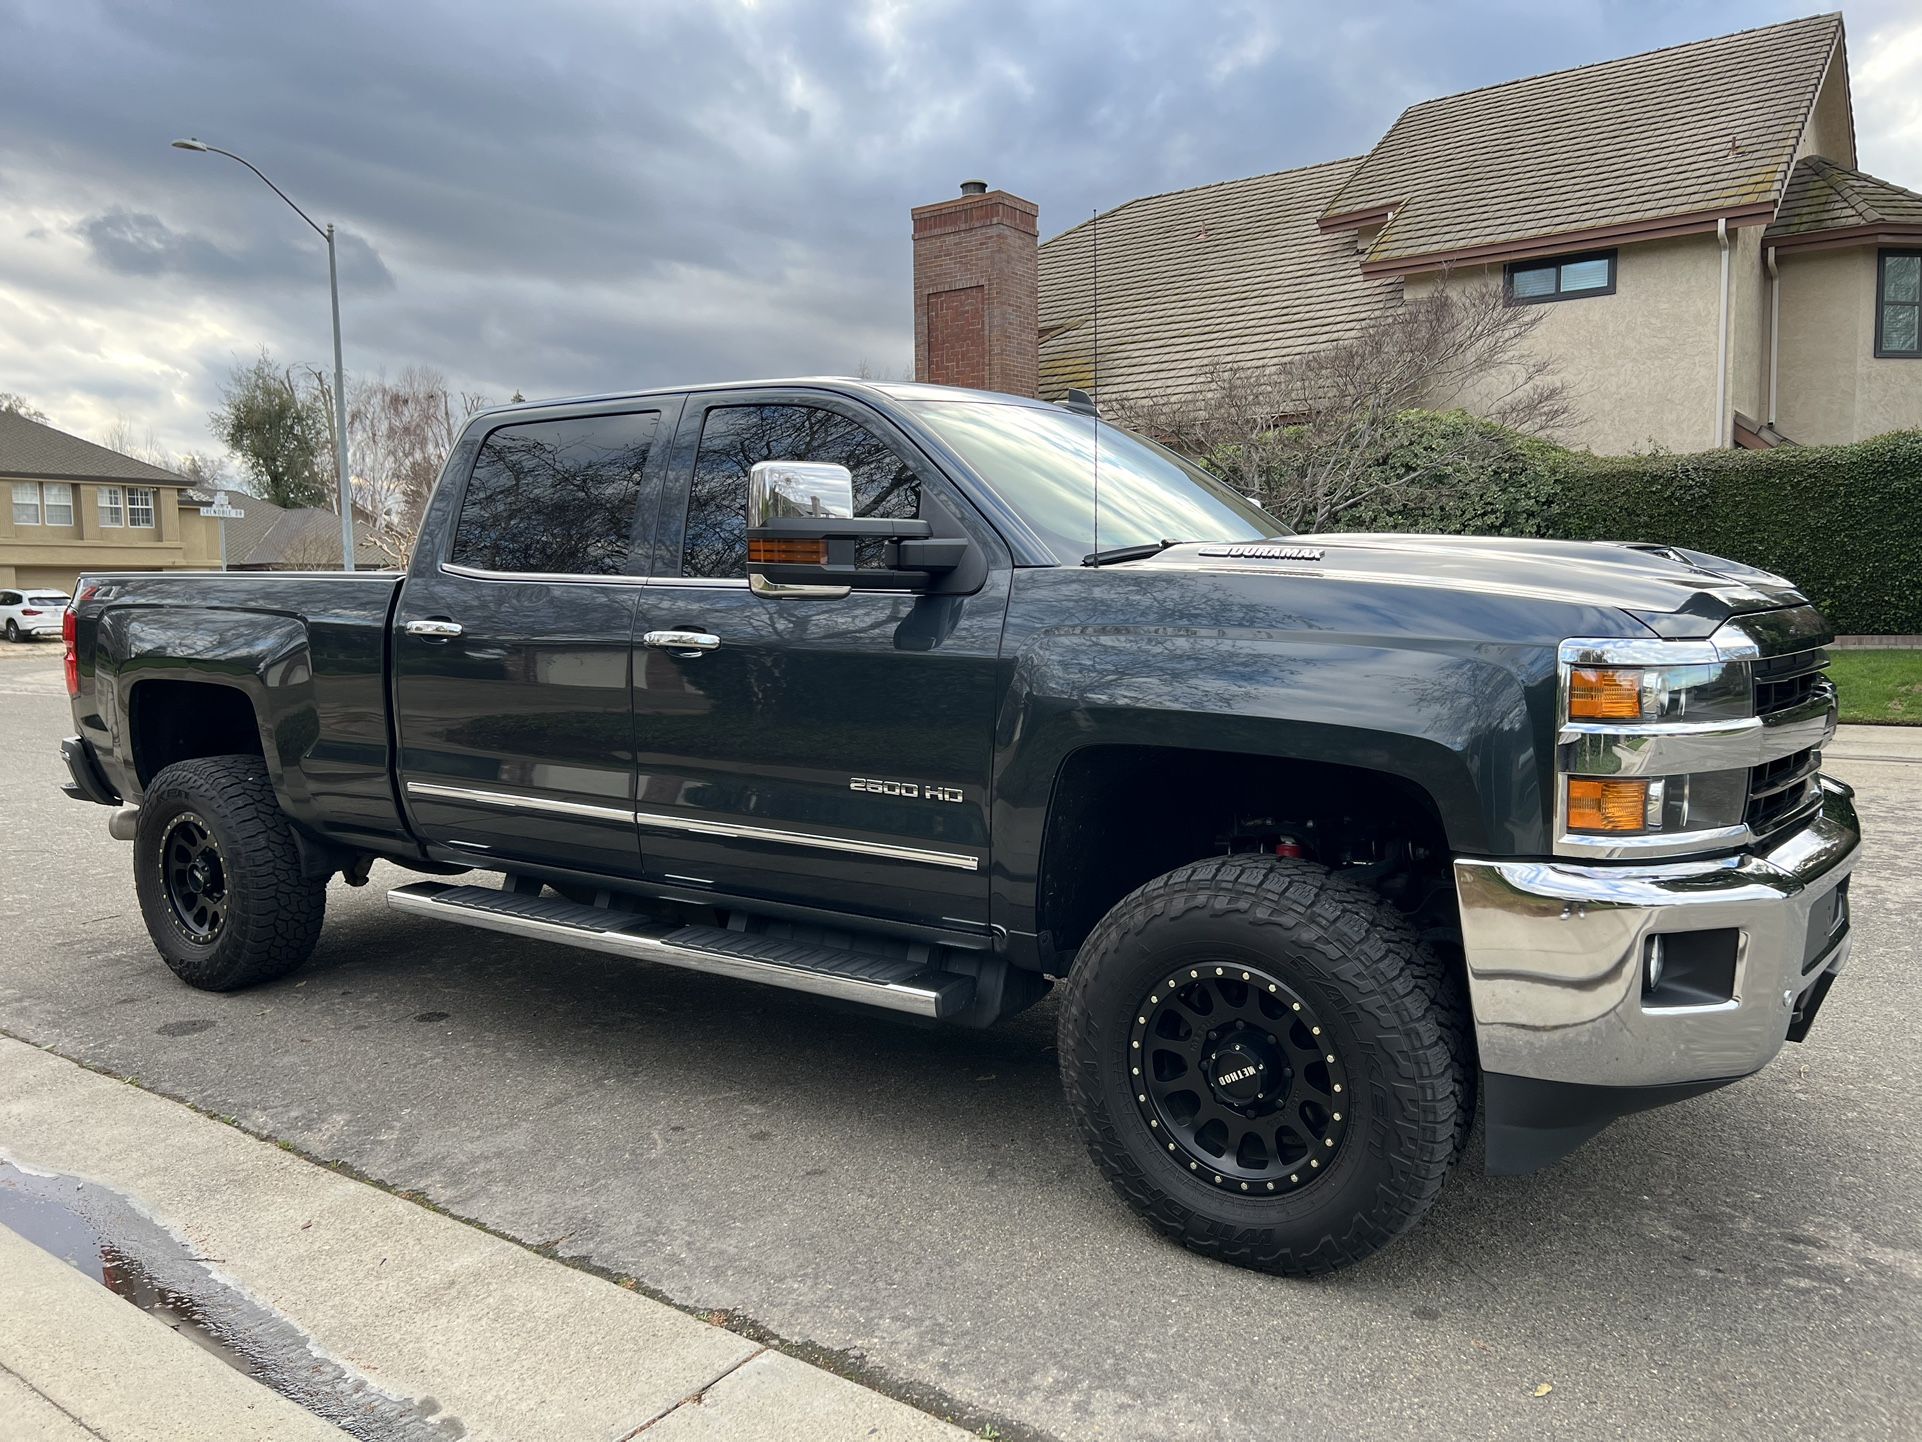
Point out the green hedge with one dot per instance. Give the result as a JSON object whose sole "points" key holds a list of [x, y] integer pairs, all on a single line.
{"points": [[1844, 523]]}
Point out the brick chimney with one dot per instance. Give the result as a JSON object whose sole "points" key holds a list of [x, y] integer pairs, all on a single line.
{"points": [[975, 310]]}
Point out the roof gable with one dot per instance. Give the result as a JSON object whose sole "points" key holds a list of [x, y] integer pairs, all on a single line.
{"points": [[1670, 138], [38, 451], [1827, 202]]}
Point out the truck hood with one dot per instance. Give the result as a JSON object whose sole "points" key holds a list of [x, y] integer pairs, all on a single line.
{"points": [[1676, 592]]}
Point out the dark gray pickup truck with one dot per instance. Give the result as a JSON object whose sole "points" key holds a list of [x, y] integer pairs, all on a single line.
{"points": [[1330, 840]]}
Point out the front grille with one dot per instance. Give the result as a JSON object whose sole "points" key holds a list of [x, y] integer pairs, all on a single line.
{"points": [[1784, 791], [1785, 681]]}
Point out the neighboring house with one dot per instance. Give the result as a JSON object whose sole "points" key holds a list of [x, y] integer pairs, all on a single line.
{"points": [[267, 537], [75, 506], [1711, 267]]}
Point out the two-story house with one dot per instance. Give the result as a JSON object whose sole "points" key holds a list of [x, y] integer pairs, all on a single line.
{"points": [[1711, 267], [76, 506]]}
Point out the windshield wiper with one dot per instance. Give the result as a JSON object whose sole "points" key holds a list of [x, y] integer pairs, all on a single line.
{"points": [[1129, 553]]}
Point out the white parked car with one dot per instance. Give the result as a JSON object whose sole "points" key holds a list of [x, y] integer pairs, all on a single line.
{"points": [[28, 615]]}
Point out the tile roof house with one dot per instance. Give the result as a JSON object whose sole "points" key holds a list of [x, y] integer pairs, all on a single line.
{"points": [[267, 537], [1714, 270], [75, 506]]}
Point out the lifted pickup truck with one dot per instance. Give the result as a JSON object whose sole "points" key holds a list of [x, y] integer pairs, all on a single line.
{"points": [[829, 686]]}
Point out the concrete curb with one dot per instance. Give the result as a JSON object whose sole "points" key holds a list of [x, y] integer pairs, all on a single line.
{"points": [[510, 1343]]}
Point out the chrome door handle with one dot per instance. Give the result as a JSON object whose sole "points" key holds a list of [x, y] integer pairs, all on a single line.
{"points": [[439, 629], [686, 644]]}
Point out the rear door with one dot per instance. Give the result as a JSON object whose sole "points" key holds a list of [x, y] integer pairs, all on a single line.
{"points": [[822, 752], [513, 640]]}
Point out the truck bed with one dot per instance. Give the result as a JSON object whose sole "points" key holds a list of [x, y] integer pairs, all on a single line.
{"points": [[306, 650]]}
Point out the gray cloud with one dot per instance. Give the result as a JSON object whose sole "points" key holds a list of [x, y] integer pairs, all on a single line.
{"points": [[581, 196], [139, 243]]}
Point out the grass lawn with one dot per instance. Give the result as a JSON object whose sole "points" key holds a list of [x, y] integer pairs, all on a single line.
{"points": [[1879, 686]]}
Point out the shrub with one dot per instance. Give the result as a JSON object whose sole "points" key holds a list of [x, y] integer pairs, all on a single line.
{"points": [[1844, 523]]}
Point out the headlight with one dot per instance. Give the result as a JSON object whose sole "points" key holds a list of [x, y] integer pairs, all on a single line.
{"points": [[1654, 746], [1715, 691]]}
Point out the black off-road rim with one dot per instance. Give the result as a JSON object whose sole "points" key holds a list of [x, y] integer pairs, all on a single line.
{"points": [[1238, 1080], [195, 877]]}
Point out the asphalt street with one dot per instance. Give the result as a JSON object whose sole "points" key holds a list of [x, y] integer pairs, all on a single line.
{"points": [[915, 1204]]}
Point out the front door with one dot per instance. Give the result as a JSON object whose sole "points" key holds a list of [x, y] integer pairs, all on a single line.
{"points": [[828, 753], [512, 644]]}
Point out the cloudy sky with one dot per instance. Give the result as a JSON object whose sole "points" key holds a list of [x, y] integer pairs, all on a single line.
{"points": [[581, 196]]}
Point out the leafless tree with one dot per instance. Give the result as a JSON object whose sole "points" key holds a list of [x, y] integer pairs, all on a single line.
{"points": [[126, 436], [399, 432], [1308, 434]]}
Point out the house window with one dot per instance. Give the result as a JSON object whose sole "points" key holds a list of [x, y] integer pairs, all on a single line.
{"points": [[140, 505], [1561, 277], [1898, 304], [58, 499], [26, 503], [112, 512]]}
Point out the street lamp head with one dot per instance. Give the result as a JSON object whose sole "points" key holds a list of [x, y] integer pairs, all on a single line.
{"points": [[189, 145]]}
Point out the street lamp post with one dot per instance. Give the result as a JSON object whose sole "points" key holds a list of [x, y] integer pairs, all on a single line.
{"points": [[340, 382]]}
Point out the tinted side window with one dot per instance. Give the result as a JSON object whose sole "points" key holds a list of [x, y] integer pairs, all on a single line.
{"points": [[556, 496], [733, 438]]}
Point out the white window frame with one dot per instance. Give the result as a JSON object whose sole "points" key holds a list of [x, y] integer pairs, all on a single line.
{"points": [[137, 498], [113, 507], [26, 493], [56, 494]]}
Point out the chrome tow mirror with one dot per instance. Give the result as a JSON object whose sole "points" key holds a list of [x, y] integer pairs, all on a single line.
{"points": [[803, 538]]}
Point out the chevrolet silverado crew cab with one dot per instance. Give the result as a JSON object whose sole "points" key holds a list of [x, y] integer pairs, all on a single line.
{"points": [[931, 699]]}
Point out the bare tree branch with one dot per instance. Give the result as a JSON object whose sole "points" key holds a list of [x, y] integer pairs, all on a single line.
{"points": [[1306, 435]]}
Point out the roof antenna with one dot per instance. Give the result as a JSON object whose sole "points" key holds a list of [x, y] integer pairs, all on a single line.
{"points": [[1094, 382]]}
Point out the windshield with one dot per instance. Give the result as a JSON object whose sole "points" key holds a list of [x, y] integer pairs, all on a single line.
{"points": [[1041, 461]]}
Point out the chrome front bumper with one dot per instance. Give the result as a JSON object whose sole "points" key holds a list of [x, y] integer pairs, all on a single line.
{"points": [[1556, 954]]}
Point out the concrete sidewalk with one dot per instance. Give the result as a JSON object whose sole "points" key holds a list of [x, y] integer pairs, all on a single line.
{"points": [[470, 1335]]}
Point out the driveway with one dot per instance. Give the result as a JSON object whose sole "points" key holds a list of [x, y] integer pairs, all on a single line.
{"points": [[912, 1207]]}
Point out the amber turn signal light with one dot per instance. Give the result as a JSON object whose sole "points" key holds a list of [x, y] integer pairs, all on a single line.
{"points": [[1597, 805], [783, 551], [1599, 693]]}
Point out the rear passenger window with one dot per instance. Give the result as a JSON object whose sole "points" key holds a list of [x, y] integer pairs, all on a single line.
{"points": [[733, 438], [555, 496]]}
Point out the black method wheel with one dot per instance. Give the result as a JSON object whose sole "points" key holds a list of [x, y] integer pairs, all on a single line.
{"points": [[195, 877], [219, 877], [13, 630], [1267, 1063], [1239, 1078]]}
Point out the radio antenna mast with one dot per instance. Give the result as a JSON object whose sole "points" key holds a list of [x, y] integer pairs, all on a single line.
{"points": [[1094, 374]]}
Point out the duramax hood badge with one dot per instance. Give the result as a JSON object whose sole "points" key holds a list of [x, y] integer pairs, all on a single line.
{"points": [[1265, 553]]}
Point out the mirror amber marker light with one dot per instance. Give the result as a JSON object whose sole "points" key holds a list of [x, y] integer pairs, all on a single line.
{"points": [[780, 551]]}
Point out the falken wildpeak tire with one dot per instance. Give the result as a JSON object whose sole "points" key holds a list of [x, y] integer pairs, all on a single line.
{"points": [[1384, 1003], [267, 917]]}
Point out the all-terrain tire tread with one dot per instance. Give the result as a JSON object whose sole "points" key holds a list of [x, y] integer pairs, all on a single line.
{"points": [[274, 919], [1386, 972]]}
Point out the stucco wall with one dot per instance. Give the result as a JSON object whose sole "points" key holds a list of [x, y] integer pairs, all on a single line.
{"points": [[1639, 364], [1833, 386], [55, 555], [1748, 325], [1831, 129]]}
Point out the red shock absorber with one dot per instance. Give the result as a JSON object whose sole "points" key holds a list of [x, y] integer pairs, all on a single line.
{"points": [[1293, 850]]}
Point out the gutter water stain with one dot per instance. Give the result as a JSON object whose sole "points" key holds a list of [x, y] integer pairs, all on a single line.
{"points": [[103, 1236]]}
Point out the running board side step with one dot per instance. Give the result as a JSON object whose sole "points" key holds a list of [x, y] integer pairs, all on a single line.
{"points": [[895, 985]]}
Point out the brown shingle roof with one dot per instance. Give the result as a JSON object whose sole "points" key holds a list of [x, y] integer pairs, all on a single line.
{"points": [[38, 451], [1235, 272], [1823, 198], [270, 535], [1673, 135]]}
